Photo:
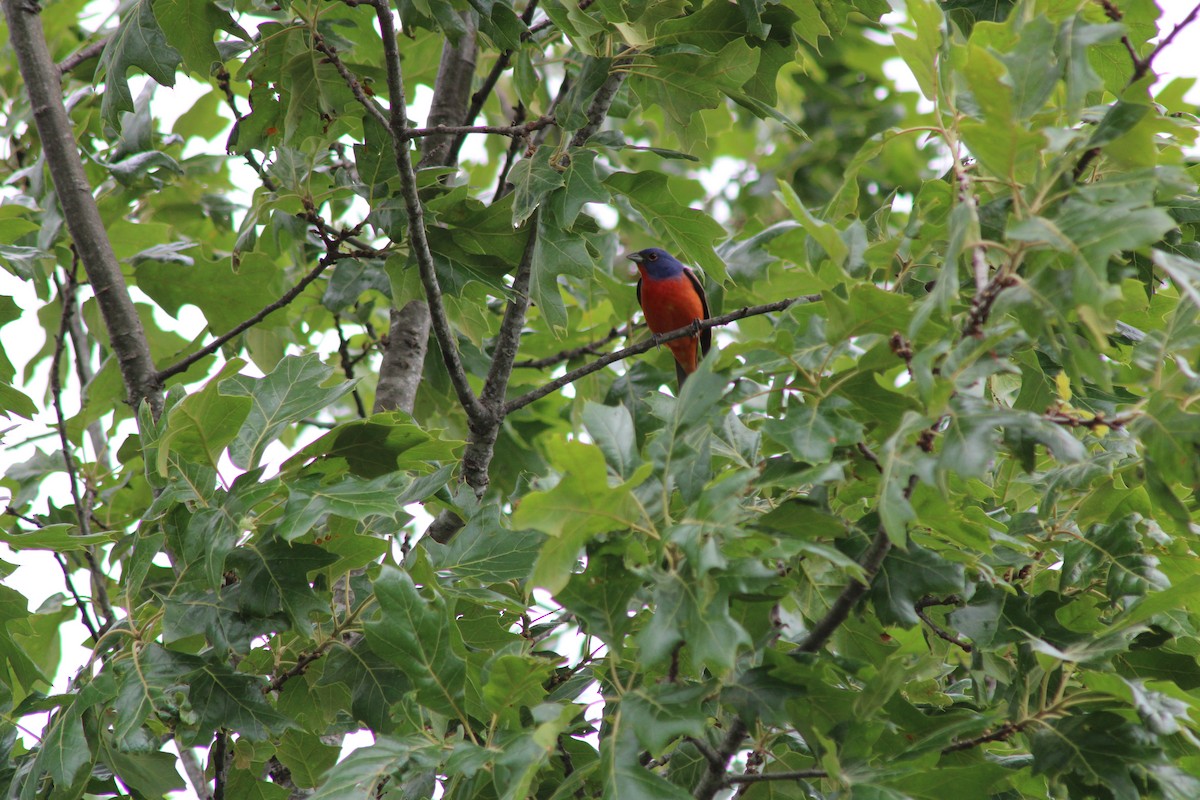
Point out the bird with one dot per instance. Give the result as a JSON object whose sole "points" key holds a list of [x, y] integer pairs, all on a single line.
{"points": [[671, 296]]}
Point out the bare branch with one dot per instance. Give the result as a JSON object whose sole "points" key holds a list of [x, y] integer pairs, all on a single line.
{"points": [[403, 359], [982, 302], [489, 83], [42, 82], [605, 95], [649, 344], [84, 616], [1141, 68], [451, 97], [398, 122]]}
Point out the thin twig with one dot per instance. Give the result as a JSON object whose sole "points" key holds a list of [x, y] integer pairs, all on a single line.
{"points": [[216, 344], [1000, 734], [1141, 67], [871, 563], [982, 302], [82, 502], [85, 53], [590, 349], [347, 365], [953, 600], [793, 775], [84, 616], [649, 344], [515, 131]]}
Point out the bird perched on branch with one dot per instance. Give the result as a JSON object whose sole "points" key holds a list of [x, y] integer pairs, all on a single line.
{"points": [[672, 297]]}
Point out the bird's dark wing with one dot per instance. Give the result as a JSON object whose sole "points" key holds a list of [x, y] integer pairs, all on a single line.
{"points": [[706, 334]]}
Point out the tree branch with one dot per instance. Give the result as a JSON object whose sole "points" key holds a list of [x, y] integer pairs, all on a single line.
{"points": [[398, 122], [489, 83], [598, 110], [714, 778], [82, 501], [85, 53], [871, 562], [403, 358], [451, 98], [589, 349], [514, 131], [649, 344], [793, 775], [1141, 67], [216, 344], [938, 631], [194, 771], [42, 82]]}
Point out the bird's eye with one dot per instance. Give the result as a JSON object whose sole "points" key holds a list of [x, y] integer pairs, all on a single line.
{"points": [[653, 256]]}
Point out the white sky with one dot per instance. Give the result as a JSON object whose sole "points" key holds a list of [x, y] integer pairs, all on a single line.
{"points": [[39, 577]]}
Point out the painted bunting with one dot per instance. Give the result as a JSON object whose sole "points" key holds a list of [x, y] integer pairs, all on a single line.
{"points": [[671, 297]]}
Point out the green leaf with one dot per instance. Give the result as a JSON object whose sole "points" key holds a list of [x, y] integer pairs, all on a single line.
{"points": [[138, 42], [600, 596], [558, 252], [611, 428], [813, 430], [291, 392], [823, 233], [686, 231], [418, 635], [312, 497], [274, 578], [581, 506], [222, 698], [484, 550], [514, 682], [920, 52], [61, 537], [14, 401], [906, 577], [622, 774], [306, 757], [373, 447], [189, 26], [374, 683], [200, 427], [533, 180]]}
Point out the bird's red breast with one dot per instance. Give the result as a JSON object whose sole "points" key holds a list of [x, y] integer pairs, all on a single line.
{"points": [[671, 303]]}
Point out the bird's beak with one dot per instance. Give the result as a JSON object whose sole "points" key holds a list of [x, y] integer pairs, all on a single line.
{"points": [[635, 257]]}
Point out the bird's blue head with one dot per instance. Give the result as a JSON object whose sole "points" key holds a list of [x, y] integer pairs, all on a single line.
{"points": [[656, 263]]}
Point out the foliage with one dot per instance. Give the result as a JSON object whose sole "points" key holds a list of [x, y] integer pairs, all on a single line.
{"points": [[926, 530]]}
